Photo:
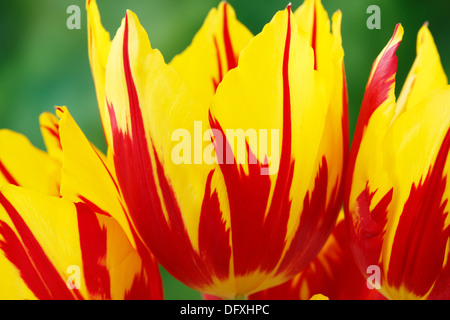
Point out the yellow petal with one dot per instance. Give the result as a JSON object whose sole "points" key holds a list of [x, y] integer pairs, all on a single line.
{"points": [[426, 73], [214, 50], [411, 148], [85, 175], [91, 259], [30, 223], [49, 124], [99, 45], [312, 19], [416, 134], [41, 174]]}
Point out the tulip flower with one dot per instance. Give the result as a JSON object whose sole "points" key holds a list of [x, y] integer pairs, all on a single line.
{"points": [[333, 273], [217, 222], [95, 244], [70, 161], [52, 248], [396, 195]]}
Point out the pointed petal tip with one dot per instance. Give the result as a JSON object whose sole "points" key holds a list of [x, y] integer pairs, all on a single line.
{"points": [[90, 4], [131, 17], [60, 111], [337, 16], [423, 32], [398, 31], [395, 40]]}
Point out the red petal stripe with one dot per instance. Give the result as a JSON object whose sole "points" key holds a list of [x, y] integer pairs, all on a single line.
{"points": [[219, 66], [54, 131], [139, 289], [231, 59], [27, 255], [420, 241], [247, 196], [7, 175], [229, 52], [369, 227], [316, 222], [314, 35], [214, 237], [93, 243]]}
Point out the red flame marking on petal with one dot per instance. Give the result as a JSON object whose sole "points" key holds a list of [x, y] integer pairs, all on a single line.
{"points": [[231, 59], [93, 244], [7, 175], [30, 259], [420, 240], [376, 93]]}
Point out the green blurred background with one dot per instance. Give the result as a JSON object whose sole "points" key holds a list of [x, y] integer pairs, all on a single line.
{"points": [[43, 63]]}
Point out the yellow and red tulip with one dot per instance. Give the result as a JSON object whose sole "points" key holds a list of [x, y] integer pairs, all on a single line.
{"points": [[226, 223], [71, 163], [92, 237], [44, 239], [226, 228], [396, 196]]}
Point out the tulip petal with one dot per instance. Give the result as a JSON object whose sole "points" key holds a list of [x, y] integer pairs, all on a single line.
{"points": [[379, 94], [87, 177], [214, 50], [368, 193], [147, 103], [92, 243], [42, 174], [397, 206], [377, 109], [420, 242], [99, 44], [426, 73], [276, 88], [416, 246], [312, 19], [49, 124]]}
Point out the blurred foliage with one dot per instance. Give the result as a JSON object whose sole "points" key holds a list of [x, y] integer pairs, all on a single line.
{"points": [[43, 63]]}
